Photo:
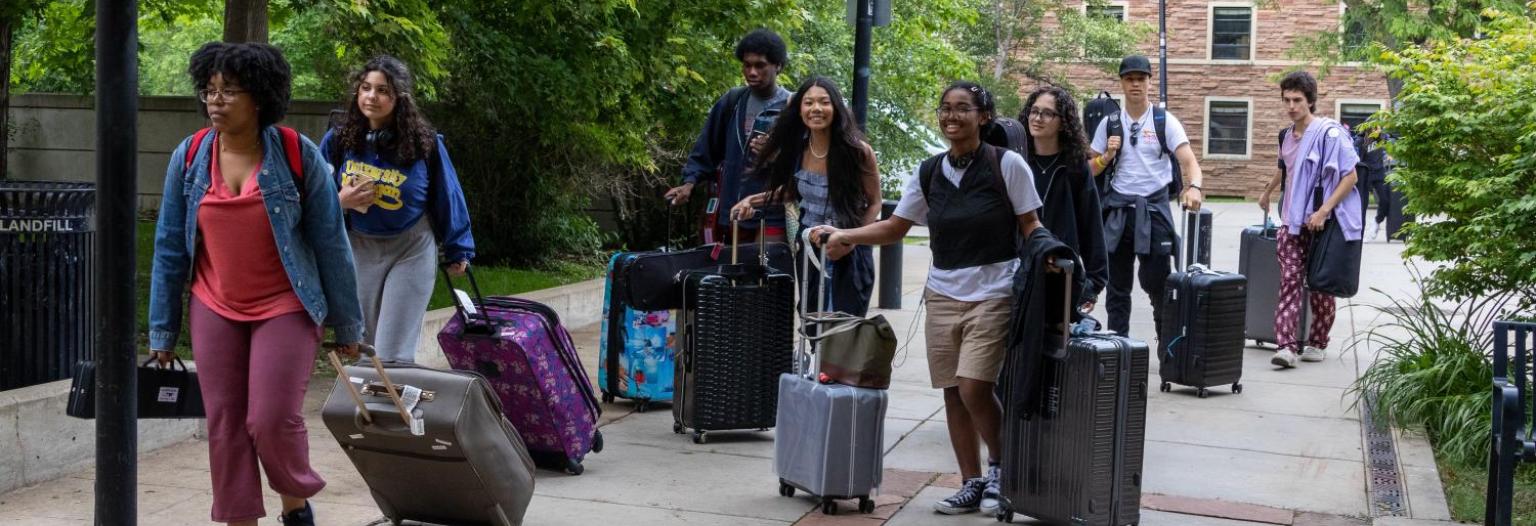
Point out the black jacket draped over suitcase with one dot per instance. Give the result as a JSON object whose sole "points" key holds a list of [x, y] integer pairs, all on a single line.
{"points": [[1033, 301]]}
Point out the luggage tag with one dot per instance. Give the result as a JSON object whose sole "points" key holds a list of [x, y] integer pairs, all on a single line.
{"points": [[467, 304]]}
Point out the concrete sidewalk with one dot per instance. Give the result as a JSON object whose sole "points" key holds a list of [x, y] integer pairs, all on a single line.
{"points": [[1290, 450]]}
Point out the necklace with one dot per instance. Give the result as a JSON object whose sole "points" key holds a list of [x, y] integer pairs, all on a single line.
{"points": [[1046, 169], [823, 154]]}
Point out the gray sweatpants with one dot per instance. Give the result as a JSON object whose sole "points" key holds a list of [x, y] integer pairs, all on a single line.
{"points": [[395, 276]]}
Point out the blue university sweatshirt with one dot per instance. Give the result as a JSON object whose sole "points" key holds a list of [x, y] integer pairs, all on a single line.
{"points": [[406, 194]]}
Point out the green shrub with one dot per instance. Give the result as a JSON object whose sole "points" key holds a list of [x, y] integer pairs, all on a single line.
{"points": [[1433, 369]]}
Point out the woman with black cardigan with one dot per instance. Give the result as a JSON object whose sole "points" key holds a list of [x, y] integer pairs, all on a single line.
{"points": [[1057, 153]]}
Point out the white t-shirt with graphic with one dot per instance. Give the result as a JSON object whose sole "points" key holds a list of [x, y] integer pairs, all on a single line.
{"points": [[1142, 170], [983, 282]]}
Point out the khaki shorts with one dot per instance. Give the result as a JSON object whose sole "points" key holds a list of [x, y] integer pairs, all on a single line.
{"points": [[966, 339]]}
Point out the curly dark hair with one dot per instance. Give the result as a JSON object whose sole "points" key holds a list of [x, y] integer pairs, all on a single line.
{"points": [[260, 69], [1303, 82], [764, 42], [986, 106], [410, 137], [1074, 143], [846, 159]]}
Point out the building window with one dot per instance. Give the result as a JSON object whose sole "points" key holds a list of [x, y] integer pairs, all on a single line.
{"points": [[1231, 33], [1228, 127], [1355, 113], [1355, 42], [1116, 12]]}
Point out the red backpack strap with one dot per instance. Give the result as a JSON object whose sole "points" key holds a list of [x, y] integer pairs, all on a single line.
{"points": [[197, 142], [292, 153]]}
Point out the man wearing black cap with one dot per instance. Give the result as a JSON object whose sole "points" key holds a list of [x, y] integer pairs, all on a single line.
{"points": [[1138, 223]]}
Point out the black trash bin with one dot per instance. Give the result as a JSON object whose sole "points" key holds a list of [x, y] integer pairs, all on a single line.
{"points": [[47, 292]]}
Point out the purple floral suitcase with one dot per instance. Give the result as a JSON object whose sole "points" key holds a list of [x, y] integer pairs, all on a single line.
{"points": [[531, 362]]}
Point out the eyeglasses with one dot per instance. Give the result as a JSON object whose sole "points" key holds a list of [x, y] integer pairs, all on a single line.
{"points": [[1135, 132], [225, 95], [945, 113], [1043, 115]]}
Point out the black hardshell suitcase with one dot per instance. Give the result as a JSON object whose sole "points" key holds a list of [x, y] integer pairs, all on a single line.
{"points": [[1256, 261], [738, 337], [1078, 459], [1200, 343]]}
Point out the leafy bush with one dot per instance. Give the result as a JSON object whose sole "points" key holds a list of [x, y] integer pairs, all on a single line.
{"points": [[1433, 370], [1465, 124]]}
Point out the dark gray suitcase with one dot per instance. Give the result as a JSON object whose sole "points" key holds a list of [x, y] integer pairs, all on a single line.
{"points": [[1256, 260], [1078, 460], [454, 459], [1200, 343], [831, 437], [738, 324]]}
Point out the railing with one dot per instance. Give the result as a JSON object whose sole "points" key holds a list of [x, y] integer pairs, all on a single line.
{"points": [[1513, 441]]}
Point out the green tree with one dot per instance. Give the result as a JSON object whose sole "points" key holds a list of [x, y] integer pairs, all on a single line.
{"points": [[1466, 147], [1039, 40]]}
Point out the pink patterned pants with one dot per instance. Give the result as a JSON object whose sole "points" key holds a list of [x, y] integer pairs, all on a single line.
{"points": [[1292, 253]]}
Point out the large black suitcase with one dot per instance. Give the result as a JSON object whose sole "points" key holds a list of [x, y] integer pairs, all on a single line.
{"points": [[738, 337], [1077, 458], [1256, 260], [648, 281], [1200, 343]]}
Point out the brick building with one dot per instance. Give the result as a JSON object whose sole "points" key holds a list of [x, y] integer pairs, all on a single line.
{"points": [[1224, 62]]}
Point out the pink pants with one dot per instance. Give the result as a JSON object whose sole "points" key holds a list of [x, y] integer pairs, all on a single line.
{"points": [[254, 376], [1292, 252]]}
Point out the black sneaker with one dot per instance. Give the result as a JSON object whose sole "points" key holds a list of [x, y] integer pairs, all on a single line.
{"points": [[991, 496], [304, 517], [967, 500]]}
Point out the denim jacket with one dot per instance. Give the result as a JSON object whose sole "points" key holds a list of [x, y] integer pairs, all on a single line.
{"points": [[311, 239]]}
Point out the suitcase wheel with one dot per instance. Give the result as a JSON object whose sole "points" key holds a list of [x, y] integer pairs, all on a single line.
{"points": [[574, 467], [1202, 393], [1005, 515], [597, 441], [699, 437], [1237, 388], [828, 507], [677, 428], [643, 406], [1165, 387], [607, 398], [866, 505], [786, 490]]}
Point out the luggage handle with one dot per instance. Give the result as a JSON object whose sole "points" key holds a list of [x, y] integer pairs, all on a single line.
{"points": [[357, 397], [807, 341], [1068, 268], [1185, 260], [478, 300], [762, 253]]}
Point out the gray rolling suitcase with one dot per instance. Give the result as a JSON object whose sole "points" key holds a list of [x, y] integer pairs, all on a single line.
{"points": [[451, 459], [1256, 260], [830, 438]]}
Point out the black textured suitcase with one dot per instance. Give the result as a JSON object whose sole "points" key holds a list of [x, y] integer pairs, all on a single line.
{"points": [[1256, 261], [1200, 343], [1078, 460], [738, 337]]}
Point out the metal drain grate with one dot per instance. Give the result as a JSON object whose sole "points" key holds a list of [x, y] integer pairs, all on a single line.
{"points": [[1384, 481]]}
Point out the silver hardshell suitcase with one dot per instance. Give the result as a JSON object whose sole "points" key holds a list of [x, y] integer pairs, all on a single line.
{"points": [[830, 437], [432, 445]]}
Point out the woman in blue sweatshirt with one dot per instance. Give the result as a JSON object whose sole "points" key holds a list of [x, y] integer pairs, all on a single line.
{"points": [[402, 200]]}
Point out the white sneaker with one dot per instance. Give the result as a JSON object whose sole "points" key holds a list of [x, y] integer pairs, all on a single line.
{"points": [[990, 496], [1375, 232], [1313, 354], [1284, 358]]}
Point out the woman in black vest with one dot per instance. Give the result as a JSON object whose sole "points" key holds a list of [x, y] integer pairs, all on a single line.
{"points": [[975, 199], [1057, 151]]}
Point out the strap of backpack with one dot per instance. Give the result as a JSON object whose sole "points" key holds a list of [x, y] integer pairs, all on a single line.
{"points": [[1160, 124], [197, 142], [995, 155], [290, 151]]}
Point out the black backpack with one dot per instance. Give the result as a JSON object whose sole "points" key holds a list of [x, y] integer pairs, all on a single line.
{"points": [[1103, 106], [1007, 133]]}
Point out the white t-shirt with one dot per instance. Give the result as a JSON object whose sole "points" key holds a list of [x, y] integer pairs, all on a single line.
{"points": [[1142, 169], [983, 282]]}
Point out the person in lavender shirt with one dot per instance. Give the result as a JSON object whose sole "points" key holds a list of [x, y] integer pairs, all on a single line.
{"points": [[1315, 151]]}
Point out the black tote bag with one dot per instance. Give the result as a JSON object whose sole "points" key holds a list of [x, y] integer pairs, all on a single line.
{"points": [[171, 392], [1333, 262]]}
